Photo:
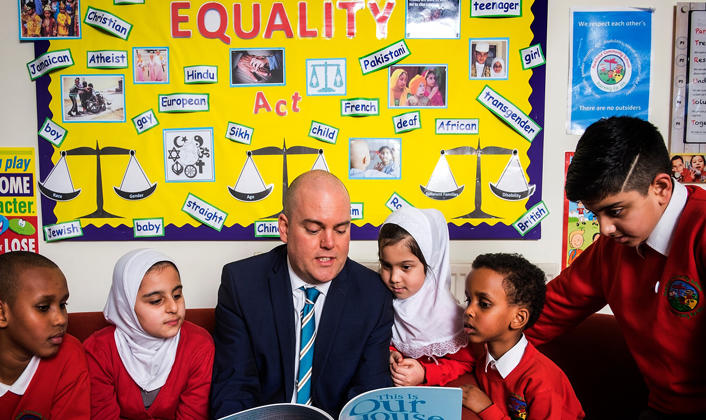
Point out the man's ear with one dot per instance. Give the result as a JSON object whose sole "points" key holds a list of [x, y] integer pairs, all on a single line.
{"points": [[662, 187], [520, 319], [283, 226], [3, 313]]}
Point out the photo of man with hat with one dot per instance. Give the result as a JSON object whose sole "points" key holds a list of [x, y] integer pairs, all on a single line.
{"points": [[481, 63]]}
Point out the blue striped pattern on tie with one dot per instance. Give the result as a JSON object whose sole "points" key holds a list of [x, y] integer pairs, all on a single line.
{"points": [[306, 346]]}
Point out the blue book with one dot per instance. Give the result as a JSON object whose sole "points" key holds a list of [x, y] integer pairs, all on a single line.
{"points": [[400, 403]]}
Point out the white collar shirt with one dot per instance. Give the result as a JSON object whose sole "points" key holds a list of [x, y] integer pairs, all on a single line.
{"points": [[298, 297], [661, 237], [21, 384], [508, 361]]}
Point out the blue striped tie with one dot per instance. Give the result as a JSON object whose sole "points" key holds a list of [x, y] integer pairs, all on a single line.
{"points": [[306, 346]]}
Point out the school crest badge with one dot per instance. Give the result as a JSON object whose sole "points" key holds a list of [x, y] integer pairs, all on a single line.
{"points": [[684, 296], [611, 70], [517, 407], [29, 415]]}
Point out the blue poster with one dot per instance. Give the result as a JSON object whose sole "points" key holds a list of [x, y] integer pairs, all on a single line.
{"points": [[610, 65]]}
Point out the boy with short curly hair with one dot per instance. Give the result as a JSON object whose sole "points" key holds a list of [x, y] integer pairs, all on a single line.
{"points": [[505, 295]]}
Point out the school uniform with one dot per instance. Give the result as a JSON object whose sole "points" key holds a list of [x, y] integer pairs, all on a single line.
{"points": [[525, 384], [657, 295], [428, 326], [57, 387], [139, 376], [184, 395]]}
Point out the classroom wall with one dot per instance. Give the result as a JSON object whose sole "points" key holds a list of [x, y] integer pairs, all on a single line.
{"points": [[88, 265]]}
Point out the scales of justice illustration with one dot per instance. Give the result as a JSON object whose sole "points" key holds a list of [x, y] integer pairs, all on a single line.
{"points": [[135, 185], [337, 79], [512, 184], [250, 186]]}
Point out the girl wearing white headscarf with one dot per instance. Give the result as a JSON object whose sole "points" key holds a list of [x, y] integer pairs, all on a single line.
{"points": [[150, 363], [413, 247], [497, 69]]}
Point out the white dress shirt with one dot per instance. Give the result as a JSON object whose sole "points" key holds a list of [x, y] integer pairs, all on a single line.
{"points": [[21, 383], [508, 361], [298, 297]]}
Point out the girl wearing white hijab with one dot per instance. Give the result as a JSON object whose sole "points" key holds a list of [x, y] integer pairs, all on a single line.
{"points": [[497, 69], [150, 363], [427, 334]]}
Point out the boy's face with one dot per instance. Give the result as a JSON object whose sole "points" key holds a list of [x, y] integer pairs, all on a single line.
{"points": [[677, 165], [35, 322], [160, 305], [489, 314], [629, 217]]}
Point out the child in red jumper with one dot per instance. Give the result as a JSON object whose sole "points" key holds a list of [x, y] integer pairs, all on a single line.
{"points": [[429, 346], [43, 371], [151, 363], [647, 264], [505, 294]]}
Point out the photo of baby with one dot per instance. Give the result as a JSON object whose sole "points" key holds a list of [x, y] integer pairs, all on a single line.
{"points": [[374, 158], [257, 67]]}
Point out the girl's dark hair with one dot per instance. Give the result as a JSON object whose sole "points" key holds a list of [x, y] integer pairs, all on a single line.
{"points": [[383, 148], [391, 234]]}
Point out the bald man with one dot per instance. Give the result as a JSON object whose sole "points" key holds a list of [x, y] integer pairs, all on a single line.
{"points": [[261, 303]]}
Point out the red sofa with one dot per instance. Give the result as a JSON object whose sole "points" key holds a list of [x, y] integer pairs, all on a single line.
{"points": [[593, 355]]}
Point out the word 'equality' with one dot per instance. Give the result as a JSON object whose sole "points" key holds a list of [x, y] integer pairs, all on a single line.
{"points": [[278, 19]]}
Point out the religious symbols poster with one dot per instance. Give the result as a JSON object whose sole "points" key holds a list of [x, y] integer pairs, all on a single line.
{"points": [[187, 120], [611, 56]]}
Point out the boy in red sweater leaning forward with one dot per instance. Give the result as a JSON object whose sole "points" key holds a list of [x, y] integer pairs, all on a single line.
{"points": [[505, 294], [647, 264], [43, 372]]}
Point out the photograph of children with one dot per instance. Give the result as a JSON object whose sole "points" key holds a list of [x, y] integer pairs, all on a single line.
{"points": [[689, 168], [417, 86], [374, 158], [257, 67], [93, 98], [49, 19], [433, 19], [489, 58], [150, 65]]}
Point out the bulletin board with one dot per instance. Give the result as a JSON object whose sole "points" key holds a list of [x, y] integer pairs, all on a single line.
{"points": [[201, 113]]}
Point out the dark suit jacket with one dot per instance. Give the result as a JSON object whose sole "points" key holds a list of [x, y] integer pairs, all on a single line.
{"points": [[255, 336]]}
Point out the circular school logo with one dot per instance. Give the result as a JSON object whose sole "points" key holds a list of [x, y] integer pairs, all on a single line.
{"points": [[611, 70], [683, 294], [29, 415], [517, 407]]}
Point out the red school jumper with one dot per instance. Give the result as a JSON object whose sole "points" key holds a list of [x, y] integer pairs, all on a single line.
{"points": [[444, 369], [535, 389], [658, 302], [184, 396], [58, 390]]}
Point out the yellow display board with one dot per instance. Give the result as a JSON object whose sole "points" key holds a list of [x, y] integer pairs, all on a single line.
{"points": [[195, 115]]}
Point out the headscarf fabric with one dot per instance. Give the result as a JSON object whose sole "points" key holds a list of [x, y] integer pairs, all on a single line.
{"points": [[147, 359], [430, 322], [393, 87]]}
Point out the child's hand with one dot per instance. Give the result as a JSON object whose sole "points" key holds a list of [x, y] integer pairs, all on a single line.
{"points": [[395, 358], [407, 372], [474, 399]]}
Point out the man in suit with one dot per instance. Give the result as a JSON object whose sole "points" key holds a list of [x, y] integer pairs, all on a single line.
{"points": [[261, 302]]}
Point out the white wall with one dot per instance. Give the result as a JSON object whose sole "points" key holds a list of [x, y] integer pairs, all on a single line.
{"points": [[88, 265]]}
